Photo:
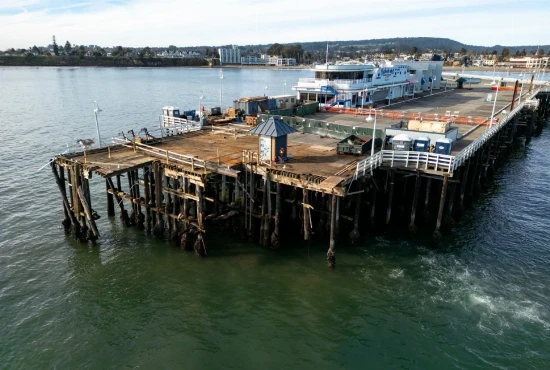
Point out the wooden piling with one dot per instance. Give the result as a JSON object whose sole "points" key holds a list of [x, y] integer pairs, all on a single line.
{"points": [[110, 201], [355, 235], [412, 225], [427, 198], [437, 234], [87, 211], [200, 208], [305, 207], [331, 255], [263, 238], [66, 205], [147, 196], [373, 207], [267, 218], [390, 196], [275, 237]]}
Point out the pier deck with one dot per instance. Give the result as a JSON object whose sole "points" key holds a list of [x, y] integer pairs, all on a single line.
{"points": [[183, 184], [469, 103], [312, 155]]}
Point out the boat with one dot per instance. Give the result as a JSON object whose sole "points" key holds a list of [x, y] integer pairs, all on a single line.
{"points": [[357, 84]]}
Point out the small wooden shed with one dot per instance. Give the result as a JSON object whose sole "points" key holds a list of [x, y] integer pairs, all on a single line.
{"points": [[272, 138]]}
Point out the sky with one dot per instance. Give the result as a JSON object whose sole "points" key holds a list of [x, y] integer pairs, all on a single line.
{"points": [[138, 23]]}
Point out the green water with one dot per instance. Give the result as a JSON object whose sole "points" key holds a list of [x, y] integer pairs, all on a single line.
{"points": [[481, 300]]}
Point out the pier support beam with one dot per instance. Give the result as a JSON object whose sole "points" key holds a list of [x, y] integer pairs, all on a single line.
{"points": [[390, 197], [427, 199], [448, 218], [412, 225], [110, 201], [355, 235], [89, 216], [124, 219], [275, 237], [372, 216], [200, 246], [305, 206], [158, 229], [140, 218], [74, 227], [331, 254], [147, 191], [437, 234]]}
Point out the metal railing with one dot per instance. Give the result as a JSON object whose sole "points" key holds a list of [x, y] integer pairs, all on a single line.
{"points": [[411, 160], [175, 125], [326, 82]]}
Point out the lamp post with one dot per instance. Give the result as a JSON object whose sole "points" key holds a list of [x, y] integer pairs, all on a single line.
{"points": [[266, 88], [494, 103], [432, 85], [96, 111], [221, 88], [370, 119], [284, 88]]}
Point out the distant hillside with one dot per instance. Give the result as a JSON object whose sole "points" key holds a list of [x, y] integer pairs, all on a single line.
{"points": [[405, 44]]}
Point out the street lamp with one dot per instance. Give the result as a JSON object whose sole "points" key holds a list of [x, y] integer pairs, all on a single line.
{"points": [[96, 111], [221, 88], [494, 103], [266, 88], [284, 87], [370, 119]]}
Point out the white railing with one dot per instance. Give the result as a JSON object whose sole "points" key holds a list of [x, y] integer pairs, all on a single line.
{"points": [[411, 160], [325, 82], [175, 125]]}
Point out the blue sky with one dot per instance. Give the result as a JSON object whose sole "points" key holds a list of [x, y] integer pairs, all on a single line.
{"points": [[24, 23]]}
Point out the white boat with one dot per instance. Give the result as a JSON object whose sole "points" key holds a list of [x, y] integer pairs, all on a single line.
{"points": [[355, 84]]}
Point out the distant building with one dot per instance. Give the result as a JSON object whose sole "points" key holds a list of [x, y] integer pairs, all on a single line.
{"points": [[253, 61], [280, 61], [230, 56], [489, 62], [426, 56], [529, 62]]}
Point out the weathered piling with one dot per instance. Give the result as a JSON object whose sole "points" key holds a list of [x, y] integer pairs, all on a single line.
{"points": [[331, 254], [417, 184]]}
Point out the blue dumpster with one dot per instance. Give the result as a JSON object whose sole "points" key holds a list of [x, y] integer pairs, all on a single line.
{"points": [[421, 144], [443, 146]]}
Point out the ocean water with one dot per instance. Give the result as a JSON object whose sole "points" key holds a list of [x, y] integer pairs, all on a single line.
{"points": [[480, 300]]}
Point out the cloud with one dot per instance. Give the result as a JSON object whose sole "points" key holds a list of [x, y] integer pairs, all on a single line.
{"points": [[208, 22]]}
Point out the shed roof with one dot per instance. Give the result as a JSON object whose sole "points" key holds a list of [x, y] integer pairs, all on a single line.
{"points": [[273, 127]]}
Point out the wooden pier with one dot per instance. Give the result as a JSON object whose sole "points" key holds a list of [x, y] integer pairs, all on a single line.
{"points": [[193, 182]]}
